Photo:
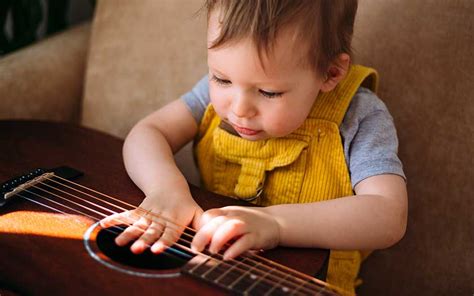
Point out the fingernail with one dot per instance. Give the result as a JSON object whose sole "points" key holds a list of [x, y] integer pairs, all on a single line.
{"points": [[156, 248], [118, 241], [135, 250]]}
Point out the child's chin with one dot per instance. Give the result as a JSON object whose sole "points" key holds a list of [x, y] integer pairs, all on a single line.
{"points": [[257, 137]]}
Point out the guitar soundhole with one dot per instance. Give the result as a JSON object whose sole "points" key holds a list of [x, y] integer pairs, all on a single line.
{"points": [[172, 258]]}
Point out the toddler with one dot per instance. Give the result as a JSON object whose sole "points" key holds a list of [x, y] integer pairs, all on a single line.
{"points": [[283, 120]]}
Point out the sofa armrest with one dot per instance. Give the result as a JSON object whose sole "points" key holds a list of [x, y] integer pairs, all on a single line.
{"points": [[45, 81]]}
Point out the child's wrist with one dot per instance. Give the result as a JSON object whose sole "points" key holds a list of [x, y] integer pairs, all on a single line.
{"points": [[166, 193], [163, 184], [278, 233]]}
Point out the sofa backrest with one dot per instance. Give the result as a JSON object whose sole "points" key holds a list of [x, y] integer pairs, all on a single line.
{"points": [[141, 56], [44, 81], [423, 51]]}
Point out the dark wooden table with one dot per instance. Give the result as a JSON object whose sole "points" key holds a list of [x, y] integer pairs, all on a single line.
{"points": [[42, 252]]}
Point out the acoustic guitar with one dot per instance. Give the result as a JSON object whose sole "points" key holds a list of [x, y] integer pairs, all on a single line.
{"points": [[58, 180]]}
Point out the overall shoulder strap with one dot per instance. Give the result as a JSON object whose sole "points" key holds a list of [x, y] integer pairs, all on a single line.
{"points": [[332, 106]]}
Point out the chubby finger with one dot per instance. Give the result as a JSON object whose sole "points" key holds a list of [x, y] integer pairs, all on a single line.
{"points": [[225, 232], [147, 239], [244, 243], [197, 218], [204, 235], [167, 239], [208, 215], [126, 218], [132, 232]]}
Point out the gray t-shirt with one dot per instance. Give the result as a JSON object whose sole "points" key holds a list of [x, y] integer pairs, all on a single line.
{"points": [[367, 131]]}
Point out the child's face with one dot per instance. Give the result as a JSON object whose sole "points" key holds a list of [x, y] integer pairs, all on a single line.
{"points": [[258, 103]]}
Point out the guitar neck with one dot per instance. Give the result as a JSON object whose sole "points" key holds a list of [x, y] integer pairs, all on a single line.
{"points": [[254, 275]]}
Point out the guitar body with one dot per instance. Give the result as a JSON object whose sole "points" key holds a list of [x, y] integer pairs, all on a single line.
{"points": [[45, 252]]}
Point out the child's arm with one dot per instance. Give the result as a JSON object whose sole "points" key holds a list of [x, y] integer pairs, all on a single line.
{"points": [[148, 155], [373, 219]]}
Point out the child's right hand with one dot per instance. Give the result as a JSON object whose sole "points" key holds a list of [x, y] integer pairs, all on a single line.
{"points": [[157, 223]]}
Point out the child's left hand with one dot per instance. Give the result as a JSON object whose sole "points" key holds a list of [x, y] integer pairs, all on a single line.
{"points": [[250, 227]]}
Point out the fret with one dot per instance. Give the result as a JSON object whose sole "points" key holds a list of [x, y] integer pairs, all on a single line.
{"points": [[255, 278], [216, 271], [277, 287], [286, 286], [309, 286], [281, 283], [209, 271], [284, 283], [198, 265], [246, 278], [237, 277], [259, 286], [250, 277], [326, 292], [230, 275], [300, 287], [297, 288], [255, 281]]}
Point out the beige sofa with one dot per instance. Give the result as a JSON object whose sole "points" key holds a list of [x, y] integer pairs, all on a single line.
{"points": [[135, 56]]}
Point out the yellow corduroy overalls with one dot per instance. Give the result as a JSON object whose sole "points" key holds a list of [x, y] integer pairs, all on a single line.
{"points": [[306, 166]]}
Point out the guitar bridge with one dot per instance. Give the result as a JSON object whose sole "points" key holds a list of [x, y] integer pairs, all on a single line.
{"points": [[14, 186]]}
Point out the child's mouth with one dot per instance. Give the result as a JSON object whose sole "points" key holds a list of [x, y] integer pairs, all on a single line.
{"points": [[245, 131]]}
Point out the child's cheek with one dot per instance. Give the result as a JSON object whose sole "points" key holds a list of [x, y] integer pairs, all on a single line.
{"points": [[280, 124], [219, 101]]}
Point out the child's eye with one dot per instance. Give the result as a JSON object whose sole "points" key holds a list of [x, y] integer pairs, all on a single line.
{"points": [[220, 81], [270, 94]]}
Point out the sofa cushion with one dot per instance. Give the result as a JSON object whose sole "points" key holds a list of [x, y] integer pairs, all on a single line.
{"points": [[423, 51]]}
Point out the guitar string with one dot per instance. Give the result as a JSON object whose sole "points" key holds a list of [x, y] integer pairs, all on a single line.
{"points": [[77, 197], [98, 219], [309, 279], [111, 204], [93, 218], [312, 280], [63, 205], [77, 211]]}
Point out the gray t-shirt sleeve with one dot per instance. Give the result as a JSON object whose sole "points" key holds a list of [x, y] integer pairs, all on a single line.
{"points": [[368, 133], [369, 138], [198, 98]]}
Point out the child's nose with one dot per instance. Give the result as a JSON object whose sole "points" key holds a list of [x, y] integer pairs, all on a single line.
{"points": [[243, 106]]}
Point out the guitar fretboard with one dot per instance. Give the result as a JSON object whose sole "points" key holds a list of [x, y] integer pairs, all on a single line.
{"points": [[250, 275]]}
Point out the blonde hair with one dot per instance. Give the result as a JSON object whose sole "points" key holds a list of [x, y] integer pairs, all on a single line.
{"points": [[326, 26]]}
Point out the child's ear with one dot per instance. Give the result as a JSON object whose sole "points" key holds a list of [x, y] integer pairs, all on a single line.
{"points": [[336, 72]]}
